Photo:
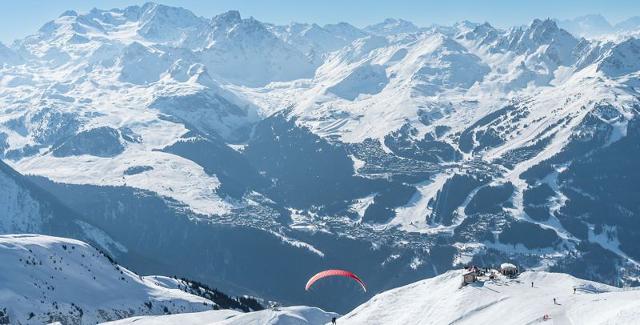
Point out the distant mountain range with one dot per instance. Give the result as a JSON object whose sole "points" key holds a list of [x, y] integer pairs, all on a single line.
{"points": [[598, 26]]}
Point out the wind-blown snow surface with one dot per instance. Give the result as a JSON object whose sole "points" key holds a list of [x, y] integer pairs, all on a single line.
{"points": [[48, 279], [418, 148], [297, 315], [440, 300]]}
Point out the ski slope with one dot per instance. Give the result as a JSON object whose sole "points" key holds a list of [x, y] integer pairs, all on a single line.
{"points": [[287, 315], [440, 300]]}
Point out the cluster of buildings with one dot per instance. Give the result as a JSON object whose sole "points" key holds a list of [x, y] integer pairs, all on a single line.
{"points": [[472, 273]]}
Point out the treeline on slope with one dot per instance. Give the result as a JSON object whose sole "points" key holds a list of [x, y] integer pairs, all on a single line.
{"points": [[221, 300]]}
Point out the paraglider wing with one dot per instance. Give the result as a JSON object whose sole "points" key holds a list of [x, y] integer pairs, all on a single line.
{"points": [[328, 273]]}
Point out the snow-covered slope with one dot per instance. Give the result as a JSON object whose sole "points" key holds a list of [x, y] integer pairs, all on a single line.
{"points": [[441, 300], [297, 315], [48, 279], [237, 46], [316, 41]]}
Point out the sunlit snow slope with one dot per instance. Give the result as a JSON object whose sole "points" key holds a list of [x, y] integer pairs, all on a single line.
{"points": [[299, 315], [441, 300], [47, 279]]}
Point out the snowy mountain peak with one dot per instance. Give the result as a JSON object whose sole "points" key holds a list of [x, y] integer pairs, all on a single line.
{"points": [[544, 31], [621, 59], [228, 18], [631, 24], [345, 31], [463, 27], [160, 22], [69, 13], [482, 34], [153, 10], [391, 26], [542, 41], [587, 26]]}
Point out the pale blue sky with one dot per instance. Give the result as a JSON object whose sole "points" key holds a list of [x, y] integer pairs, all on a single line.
{"points": [[19, 18]]}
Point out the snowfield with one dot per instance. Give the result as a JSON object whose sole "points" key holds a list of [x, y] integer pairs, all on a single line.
{"points": [[440, 300], [298, 315], [47, 279]]}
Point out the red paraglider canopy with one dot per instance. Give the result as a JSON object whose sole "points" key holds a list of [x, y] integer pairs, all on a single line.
{"points": [[328, 273]]}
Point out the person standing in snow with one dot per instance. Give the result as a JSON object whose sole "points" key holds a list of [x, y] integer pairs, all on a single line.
{"points": [[333, 321], [532, 284], [554, 301], [574, 291]]}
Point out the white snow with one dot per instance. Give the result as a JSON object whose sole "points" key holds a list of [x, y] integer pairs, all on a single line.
{"points": [[296, 315], [440, 300], [412, 216], [360, 205], [508, 266], [69, 281]]}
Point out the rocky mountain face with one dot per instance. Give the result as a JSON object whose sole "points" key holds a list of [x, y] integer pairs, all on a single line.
{"points": [[247, 155]]}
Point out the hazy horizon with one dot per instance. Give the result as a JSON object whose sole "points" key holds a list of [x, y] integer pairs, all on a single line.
{"points": [[19, 19]]}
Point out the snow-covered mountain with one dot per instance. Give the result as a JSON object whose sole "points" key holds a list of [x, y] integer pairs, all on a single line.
{"points": [[524, 300], [631, 24], [297, 315], [596, 26], [396, 151], [52, 279], [316, 41], [392, 26], [587, 26]]}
